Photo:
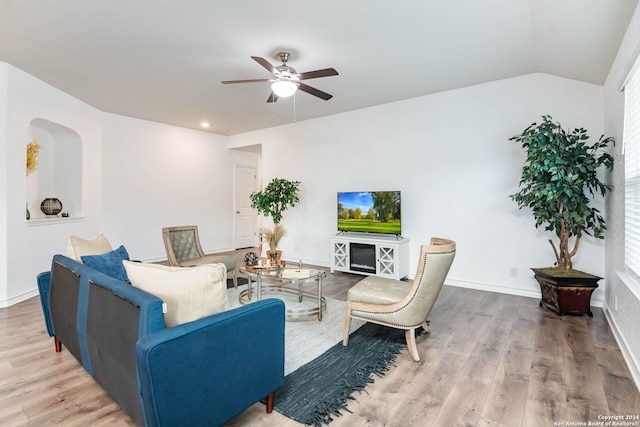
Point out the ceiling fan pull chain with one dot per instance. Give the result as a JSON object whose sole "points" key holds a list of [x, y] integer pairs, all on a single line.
{"points": [[294, 107]]}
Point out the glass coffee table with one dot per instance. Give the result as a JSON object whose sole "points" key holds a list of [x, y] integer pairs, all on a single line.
{"points": [[286, 279]]}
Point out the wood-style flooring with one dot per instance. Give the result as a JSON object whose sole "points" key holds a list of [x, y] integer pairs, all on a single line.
{"points": [[490, 360]]}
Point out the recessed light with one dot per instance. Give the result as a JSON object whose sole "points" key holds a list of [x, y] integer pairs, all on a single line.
{"points": [[204, 124]]}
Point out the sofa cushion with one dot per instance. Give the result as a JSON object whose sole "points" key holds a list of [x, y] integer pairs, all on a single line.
{"points": [[77, 246], [109, 263], [189, 293]]}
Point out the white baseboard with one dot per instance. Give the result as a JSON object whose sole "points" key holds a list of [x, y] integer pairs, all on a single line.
{"points": [[632, 363], [511, 290], [19, 298], [502, 289]]}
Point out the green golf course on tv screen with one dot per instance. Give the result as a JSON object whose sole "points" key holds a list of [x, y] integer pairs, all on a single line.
{"points": [[369, 212]]}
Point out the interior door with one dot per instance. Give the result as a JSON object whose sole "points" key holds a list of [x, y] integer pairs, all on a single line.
{"points": [[246, 218]]}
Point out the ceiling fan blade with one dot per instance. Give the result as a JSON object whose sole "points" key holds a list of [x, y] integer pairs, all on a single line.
{"points": [[318, 73], [272, 98], [313, 91], [226, 82], [265, 64]]}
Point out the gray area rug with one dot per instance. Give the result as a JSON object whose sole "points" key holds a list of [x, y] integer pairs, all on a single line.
{"points": [[241, 281], [306, 339], [321, 374]]}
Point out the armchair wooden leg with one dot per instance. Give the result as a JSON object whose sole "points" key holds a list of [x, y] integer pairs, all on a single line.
{"points": [[425, 326], [271, 397], [410, 335], [58, 344], [347, 324]]}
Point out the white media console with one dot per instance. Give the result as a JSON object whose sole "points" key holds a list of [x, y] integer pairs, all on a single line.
{"points": [[380, 255]]}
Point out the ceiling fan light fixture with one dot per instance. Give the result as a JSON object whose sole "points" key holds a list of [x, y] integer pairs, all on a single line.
{"points": [[286, 81], [284, 88]]}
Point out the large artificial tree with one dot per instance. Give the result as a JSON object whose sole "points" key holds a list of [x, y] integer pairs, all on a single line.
{"points": [[559, 180]]}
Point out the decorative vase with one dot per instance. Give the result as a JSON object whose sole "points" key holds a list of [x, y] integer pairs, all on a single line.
{"points": [[51, 206], [275, 257]]}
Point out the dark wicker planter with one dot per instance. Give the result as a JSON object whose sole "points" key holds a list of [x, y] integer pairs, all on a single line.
{"points": [[566, 295], [51, 206]]}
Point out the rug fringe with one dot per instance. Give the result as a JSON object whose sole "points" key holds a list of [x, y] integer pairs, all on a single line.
{"points": [[363, 377], [323, 410]]}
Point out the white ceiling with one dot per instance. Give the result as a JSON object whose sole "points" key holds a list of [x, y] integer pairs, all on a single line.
{"points": [[163, 60]]}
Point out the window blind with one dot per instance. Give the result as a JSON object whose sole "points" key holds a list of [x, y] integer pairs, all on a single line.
{"points": [[631, 149]]}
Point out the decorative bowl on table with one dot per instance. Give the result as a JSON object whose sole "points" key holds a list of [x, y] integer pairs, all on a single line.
{"points": [[250, 259]]}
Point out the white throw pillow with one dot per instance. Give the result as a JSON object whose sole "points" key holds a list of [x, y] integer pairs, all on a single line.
{"points": [[190, 293], [79, 247]]}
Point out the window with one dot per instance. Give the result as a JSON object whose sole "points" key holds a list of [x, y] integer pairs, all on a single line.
{"points": [[631, 148]]}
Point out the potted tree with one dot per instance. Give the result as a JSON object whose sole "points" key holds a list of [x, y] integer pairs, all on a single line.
{"points": [[559, 179], [272, 201]]}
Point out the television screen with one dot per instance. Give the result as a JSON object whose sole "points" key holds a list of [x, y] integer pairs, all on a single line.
{"points": [[369, 212]]}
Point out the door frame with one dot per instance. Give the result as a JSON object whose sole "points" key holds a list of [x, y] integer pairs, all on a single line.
{"points": [[256, 168]]}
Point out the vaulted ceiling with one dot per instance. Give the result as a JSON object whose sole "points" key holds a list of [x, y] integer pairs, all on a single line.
{"points": [[163, 60]]}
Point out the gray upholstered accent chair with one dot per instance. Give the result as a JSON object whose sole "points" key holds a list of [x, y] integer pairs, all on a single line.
{"points": [[184, 250], [401, 304]]}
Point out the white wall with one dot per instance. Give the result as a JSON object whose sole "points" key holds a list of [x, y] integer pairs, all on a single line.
{"points": [[137, 177], [624, 317], [158, 175], [4, 165], [450, 156], [30, 247]]}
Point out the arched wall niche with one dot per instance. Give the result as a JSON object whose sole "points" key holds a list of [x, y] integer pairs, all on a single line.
{"points": [[59, 171]]}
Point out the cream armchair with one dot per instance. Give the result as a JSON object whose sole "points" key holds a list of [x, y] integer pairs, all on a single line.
{"points": [[400, 304], [183, 248]]}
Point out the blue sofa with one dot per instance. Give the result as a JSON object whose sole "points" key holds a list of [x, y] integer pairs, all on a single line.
{"points": [[200, 373]]}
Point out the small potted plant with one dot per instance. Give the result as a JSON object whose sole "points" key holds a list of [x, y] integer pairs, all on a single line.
{"points": [[272, 201], [273, 236], [558, 182]]}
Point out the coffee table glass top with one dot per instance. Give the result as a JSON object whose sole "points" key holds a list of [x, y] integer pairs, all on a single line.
{"points": [[285, 272]]}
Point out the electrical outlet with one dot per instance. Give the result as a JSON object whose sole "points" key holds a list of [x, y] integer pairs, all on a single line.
{"points": [[513, 272]]}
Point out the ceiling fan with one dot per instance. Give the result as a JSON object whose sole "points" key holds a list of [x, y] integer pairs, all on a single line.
{"points": [[286, 80]]}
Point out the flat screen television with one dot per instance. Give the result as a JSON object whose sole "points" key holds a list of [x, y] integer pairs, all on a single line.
{"points": [[369, 212]]}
